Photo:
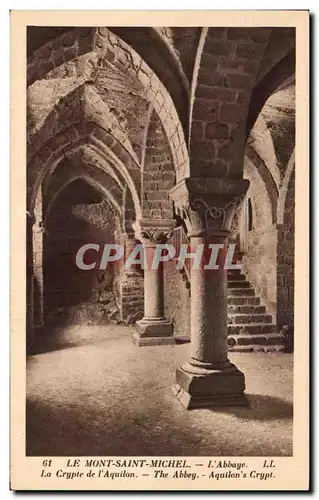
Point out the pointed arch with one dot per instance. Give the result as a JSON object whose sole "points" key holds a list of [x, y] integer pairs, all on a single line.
{"points": [[158, 175], [261, 142], [276, 76], [92, 141], [263, 205], [105, 49], [284, 189], [267, 179], [95, 177]]}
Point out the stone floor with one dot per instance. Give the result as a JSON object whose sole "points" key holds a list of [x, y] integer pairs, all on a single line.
{"points": [[91, 391]]}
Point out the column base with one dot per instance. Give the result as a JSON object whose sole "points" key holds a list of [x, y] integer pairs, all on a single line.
{"points": [[153, 332], [210, 388]]}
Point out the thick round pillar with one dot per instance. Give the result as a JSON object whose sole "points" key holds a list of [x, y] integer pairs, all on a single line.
{"points": [[209, 307], [37, 279], [208, 379]]}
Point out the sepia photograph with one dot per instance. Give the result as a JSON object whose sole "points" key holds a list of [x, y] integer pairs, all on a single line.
{"points": [[160, 249]]}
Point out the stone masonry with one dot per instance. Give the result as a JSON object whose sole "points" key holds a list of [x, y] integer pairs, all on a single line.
{"points": [[132, 132]]}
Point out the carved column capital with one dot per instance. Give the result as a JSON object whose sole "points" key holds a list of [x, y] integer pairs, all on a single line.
{"points": [[153, 231], [208, 205]]}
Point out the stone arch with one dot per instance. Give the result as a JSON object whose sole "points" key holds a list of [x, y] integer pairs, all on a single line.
{"points": [[259, 244], [264, 204], [54, 52], [106, 49], [281, 42], [88, 179], [44, 200], [273, 79], [286, 248], [261, 142], [97, 169], [103, 150], [153, 47], [82, 104], [81, 214], [225, 70], [279, 114], [93, 176], [267, 179], [284, 189], [158, 175]]}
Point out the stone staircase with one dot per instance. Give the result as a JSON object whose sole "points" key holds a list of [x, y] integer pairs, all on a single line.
{"points": [[250, 328]]}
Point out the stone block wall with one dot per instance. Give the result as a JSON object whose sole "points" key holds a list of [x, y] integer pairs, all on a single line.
{"points": [[269, 257], [285, 269], [131, 298], [260, 240], [72, 294], [158, 174], [260, 265], [226, 75], [177, 300]]}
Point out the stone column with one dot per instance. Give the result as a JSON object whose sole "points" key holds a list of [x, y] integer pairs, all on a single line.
{"points": [[154, 328], [209, 379], [29, 285], [37, 280], [37, 285]]}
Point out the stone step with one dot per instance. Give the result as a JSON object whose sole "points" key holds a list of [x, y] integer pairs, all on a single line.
{"points": [[267, 342], [238, 284], [258, 348], [241, 319], [241, 292], [238, 301], [235, 277], [233, 280], [246, 309], [252, 329], [249, 340]]}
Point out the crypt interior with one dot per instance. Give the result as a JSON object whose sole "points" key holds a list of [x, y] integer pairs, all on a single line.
{"points": [[180, 135]]}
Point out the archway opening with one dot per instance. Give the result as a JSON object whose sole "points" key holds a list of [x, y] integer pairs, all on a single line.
{"points": [[80, 215]]}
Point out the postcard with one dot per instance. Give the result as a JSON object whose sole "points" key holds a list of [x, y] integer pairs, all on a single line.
{"points": [[160, 250]]}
